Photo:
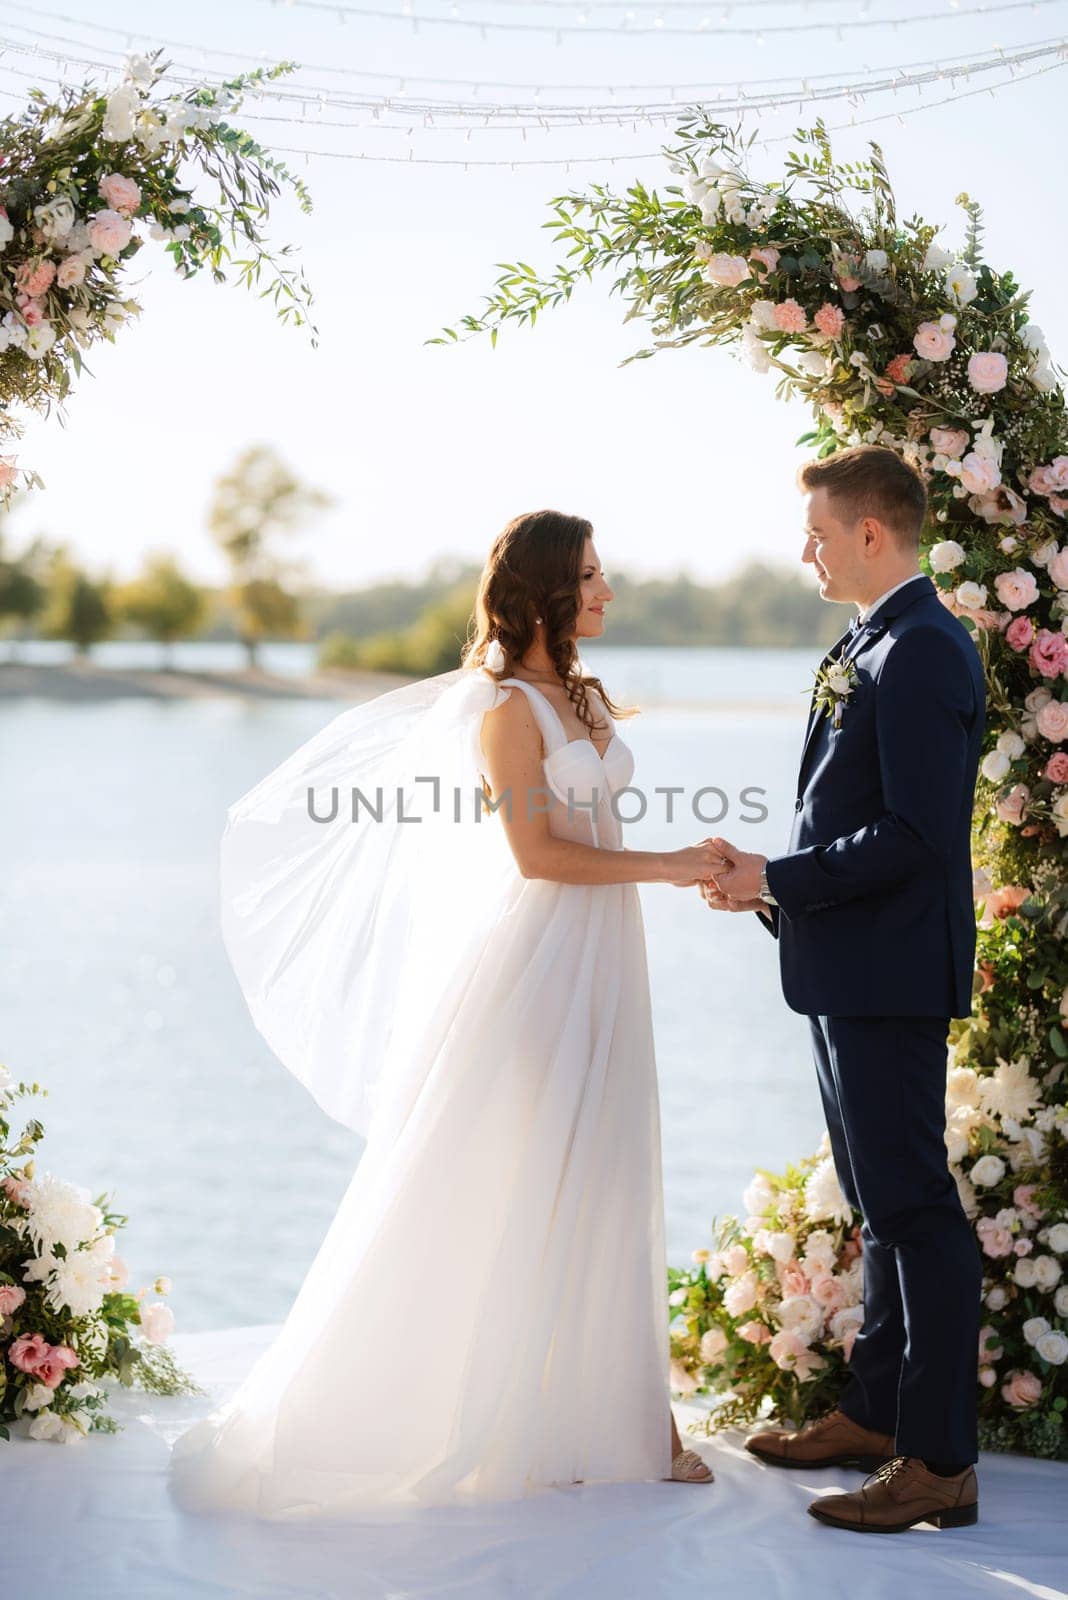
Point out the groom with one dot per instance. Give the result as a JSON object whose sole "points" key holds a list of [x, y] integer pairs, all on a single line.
{"points": [[872, 907]]}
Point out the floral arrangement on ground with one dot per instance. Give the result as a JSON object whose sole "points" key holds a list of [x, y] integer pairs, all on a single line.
{"points": [[890, 338], [68, 1325]]}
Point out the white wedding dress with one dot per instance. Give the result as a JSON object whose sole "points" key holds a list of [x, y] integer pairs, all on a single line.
{"points": [[487, 1313]]}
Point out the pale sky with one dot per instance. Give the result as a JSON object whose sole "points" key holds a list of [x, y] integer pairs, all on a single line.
{"points": [[682, 462]]}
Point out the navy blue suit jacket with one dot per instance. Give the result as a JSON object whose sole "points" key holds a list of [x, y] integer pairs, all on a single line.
{"points": [[876, 915]]}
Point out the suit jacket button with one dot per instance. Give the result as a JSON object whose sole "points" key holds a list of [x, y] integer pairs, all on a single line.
{"points": [[798, 803]]}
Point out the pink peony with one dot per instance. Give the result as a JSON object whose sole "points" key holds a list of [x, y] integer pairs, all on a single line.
{"points": [[830, 320], [11, 1297], [1048, 654], [120, 193], [933, 342], [1057, 772], [35, 277], [1017, 589], [1012, 807], [995, 1240], [60, 1359], [1019, 633], [1021, 1390], [754, 1333], [766, 253], [28, 1351], [109, 232], [987, 371], [951, 442], [790, 317], [1051, 720]]}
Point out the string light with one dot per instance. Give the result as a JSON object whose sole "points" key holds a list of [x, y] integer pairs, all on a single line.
{"points": [[562, 30]]}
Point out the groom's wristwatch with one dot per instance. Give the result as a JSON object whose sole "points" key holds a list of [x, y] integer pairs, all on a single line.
{"points": [[765, 893]]}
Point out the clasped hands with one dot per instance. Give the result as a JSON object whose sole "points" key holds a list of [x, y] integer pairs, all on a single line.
{"points": [[735, 885]]}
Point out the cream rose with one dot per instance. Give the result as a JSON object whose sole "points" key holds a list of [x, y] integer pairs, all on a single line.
{"points": [[726, 270], [933, 342], [988, 371], [945, 556]]}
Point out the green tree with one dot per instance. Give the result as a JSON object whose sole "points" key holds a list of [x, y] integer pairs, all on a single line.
{"points": [[162, 602], [257, 503], [430, 645], [77, 607], [22, 587]]}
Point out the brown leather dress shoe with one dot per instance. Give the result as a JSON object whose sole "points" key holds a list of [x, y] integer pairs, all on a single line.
{"points": [[900, 1495], [831, 1441]]}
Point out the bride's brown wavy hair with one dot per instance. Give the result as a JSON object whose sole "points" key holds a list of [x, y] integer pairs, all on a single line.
{"points": [[533, 570]]}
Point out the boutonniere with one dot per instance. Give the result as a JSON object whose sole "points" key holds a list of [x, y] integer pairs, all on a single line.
{"points": [[834, 685]]}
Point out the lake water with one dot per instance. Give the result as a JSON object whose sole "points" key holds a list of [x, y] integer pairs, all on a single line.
{"points": [[116, 994]]}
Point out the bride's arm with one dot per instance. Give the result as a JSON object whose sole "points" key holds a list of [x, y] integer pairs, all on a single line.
{"points": [[512, 744]]}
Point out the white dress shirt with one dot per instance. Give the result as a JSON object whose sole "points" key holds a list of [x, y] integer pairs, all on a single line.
{"points": [[866, 611]]}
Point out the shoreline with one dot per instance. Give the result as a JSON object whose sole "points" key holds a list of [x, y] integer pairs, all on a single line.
{"points": [[84, 682]]}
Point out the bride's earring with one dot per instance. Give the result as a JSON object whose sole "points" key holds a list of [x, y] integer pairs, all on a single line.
{"points": [[537, 619]]}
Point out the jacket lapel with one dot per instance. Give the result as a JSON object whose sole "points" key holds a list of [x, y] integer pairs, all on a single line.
{"points": [[854, 640]]}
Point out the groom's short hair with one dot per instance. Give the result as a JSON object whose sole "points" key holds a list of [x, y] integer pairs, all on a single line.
{"points": [[869, 480]]}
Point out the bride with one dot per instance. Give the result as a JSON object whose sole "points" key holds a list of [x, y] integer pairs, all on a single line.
{"points": [[487, 1313]]}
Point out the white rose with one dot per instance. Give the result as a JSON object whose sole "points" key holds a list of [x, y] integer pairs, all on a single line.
{"points": [[936, 258], [781, 1247], [1053, 1347], [1044, 553], [946, 556], [876, 260], [1060, 1301], [971, 596], [1011, 743], [987, 1171], [1034, 1328], [46, 1425], [1024, 1273], [838, 681], [813, 363], [1057, 1238], [37, 1396], [755, 350], [997, 1298], [995, 766], [1047, 1271]]}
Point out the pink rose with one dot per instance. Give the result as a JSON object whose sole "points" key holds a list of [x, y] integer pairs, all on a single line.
{"points": [[988, 371], [1040, 481], [999, 904], [792, 1280], [933, 342], [32, 313], [829, 320], [979, 473], [989, 1349], [1051, 720], [1057, 772], [11, 1297], [790, 317], [987, 1377], [1057, 567], [28, 1351], [766, 253], [726, 270], [35, 277], [157, 1322], [1021, 1390], [1017, 589], [71, 272], [1019, 633], [1012, 807], [754, 1333], [120, 193], [1059, 504], [1022, 1247], [1048, 653], [17, 1190], [60, 1359], [951, 442], [995, 1240], [829, 1292], [736, 1260], [109, 233], [1023, 1196]]}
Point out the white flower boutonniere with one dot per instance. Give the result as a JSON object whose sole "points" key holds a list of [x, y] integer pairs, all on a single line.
{"points": [[834, 684]]}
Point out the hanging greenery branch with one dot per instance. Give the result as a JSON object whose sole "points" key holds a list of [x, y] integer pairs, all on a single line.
{"points": [[84, 179], [893, 340]]}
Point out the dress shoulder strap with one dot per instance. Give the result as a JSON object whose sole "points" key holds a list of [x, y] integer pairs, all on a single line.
{"points": [[545, 713]]}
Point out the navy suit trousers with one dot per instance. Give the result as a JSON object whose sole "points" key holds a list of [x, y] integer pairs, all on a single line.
{"points": [[913, 1367]]}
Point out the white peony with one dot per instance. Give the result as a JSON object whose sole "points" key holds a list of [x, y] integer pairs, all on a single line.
{"points": [[1009, 1092], [1053, 1347], [995, 766], [824, 1200], [1011, 743], [1034, 1328], [78, 1284], [61, 1213], [987, 1171]]}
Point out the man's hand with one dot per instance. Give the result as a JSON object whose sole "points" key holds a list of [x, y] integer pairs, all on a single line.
{"points": [[723, 902], [739, 879]]}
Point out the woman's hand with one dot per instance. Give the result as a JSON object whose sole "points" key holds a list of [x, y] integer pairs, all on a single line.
{"points": [[695, 864]]}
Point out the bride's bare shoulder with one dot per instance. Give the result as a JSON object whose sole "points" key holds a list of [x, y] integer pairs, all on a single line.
{"points": [[511, 723]]}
